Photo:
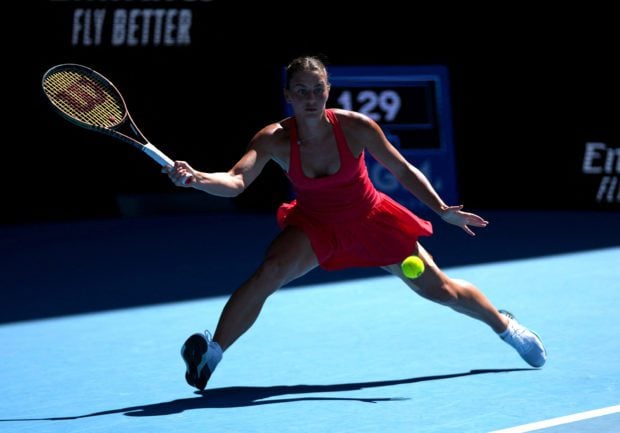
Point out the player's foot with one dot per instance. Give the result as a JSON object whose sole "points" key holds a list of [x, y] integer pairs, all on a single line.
{"points": [[527, 343], [201, 355]]}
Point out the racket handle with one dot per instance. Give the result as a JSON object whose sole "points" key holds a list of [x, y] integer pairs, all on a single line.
{"points": [[161, 159], [157, 155]]}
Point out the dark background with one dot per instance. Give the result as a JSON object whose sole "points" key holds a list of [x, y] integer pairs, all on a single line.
{"points": [[529, 88]]}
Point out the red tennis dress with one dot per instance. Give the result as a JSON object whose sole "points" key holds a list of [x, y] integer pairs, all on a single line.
{"points": [[349, 222]]}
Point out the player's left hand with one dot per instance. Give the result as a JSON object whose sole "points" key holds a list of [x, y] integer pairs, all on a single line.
{"points": [[455, 215]]}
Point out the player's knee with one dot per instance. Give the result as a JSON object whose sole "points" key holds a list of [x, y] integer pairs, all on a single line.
{"points": [[445, 293], [273, 269]]}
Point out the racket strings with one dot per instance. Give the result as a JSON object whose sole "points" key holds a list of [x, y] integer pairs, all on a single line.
{"points": [[84, 98]]}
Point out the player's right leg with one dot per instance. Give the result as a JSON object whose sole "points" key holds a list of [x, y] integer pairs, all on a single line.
{"points": [[288, 257]]}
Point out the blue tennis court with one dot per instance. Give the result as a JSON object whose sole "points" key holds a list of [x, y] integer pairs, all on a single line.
{"points": [[95, 314]]}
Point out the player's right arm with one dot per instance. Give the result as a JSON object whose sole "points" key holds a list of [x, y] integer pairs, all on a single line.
{"points": [[234, 181]]}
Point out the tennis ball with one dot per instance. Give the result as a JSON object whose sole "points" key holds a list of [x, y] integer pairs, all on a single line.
{"points": [[412, 267]]}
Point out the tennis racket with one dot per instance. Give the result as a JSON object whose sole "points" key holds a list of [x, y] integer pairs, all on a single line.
{"points": [[86, 98]]}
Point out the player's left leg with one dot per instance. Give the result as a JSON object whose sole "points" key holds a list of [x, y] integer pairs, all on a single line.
{"points": [[459, 295], [466, 298]]}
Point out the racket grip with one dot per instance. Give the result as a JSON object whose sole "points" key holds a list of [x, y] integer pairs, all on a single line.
{"points": [[157, 155], [162, 159]]}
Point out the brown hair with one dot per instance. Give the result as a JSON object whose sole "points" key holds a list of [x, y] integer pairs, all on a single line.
{"points": [[305, 63]]}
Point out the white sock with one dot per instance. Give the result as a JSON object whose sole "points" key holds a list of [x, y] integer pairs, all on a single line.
{"points": [[507, 330], [214, 355]]}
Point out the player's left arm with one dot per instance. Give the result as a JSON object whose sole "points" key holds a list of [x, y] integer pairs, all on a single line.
{"points": [[412, 178]]}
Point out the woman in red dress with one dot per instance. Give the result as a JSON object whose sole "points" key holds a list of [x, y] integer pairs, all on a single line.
{"points": [[338, 219]]}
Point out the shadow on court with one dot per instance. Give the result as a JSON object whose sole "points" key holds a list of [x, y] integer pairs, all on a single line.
{"points": [[241, 396]]}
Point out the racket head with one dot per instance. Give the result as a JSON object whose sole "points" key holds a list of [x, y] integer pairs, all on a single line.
{"points": [[84, 97]]}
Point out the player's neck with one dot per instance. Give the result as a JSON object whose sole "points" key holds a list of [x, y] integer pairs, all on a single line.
{"points": [[310, 132]]}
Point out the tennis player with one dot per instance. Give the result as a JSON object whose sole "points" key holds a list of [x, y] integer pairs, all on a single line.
{"points": [[338, 219]]}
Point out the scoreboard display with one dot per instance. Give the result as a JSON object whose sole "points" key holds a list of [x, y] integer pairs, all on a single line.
{"points": [[412, 106]]}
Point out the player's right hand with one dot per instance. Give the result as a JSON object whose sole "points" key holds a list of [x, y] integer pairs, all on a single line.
{"points": [[181, 174]]}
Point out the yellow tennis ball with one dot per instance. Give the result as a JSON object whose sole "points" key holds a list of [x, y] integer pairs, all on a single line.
{"points": [[412, 267]]}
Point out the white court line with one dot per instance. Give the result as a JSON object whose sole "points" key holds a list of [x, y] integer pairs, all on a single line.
{"points": [[560, 420]]}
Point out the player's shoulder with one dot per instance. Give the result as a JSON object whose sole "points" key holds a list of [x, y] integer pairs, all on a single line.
{"points": [[273, 134], [354, 121]]}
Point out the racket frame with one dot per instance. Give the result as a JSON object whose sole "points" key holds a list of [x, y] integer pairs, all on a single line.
{"points": [[140, 143]]}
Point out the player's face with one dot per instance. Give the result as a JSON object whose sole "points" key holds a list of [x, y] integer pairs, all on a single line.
{"points": [[308, 93]]}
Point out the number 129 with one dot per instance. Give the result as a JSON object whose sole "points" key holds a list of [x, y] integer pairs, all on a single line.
{"points": [[380, 106]]}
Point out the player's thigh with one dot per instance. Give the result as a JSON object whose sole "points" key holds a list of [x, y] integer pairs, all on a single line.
{"points": [[432, 277], [292, 252]]}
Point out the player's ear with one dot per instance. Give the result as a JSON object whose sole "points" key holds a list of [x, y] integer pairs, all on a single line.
{"points": [[287, 95]]}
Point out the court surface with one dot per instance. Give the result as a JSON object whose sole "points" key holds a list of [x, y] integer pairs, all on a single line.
{"points": [[81, 353]]}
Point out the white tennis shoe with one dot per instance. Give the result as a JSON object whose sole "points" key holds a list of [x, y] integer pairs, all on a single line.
{"points": [[201, 355], [527, 343]]}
